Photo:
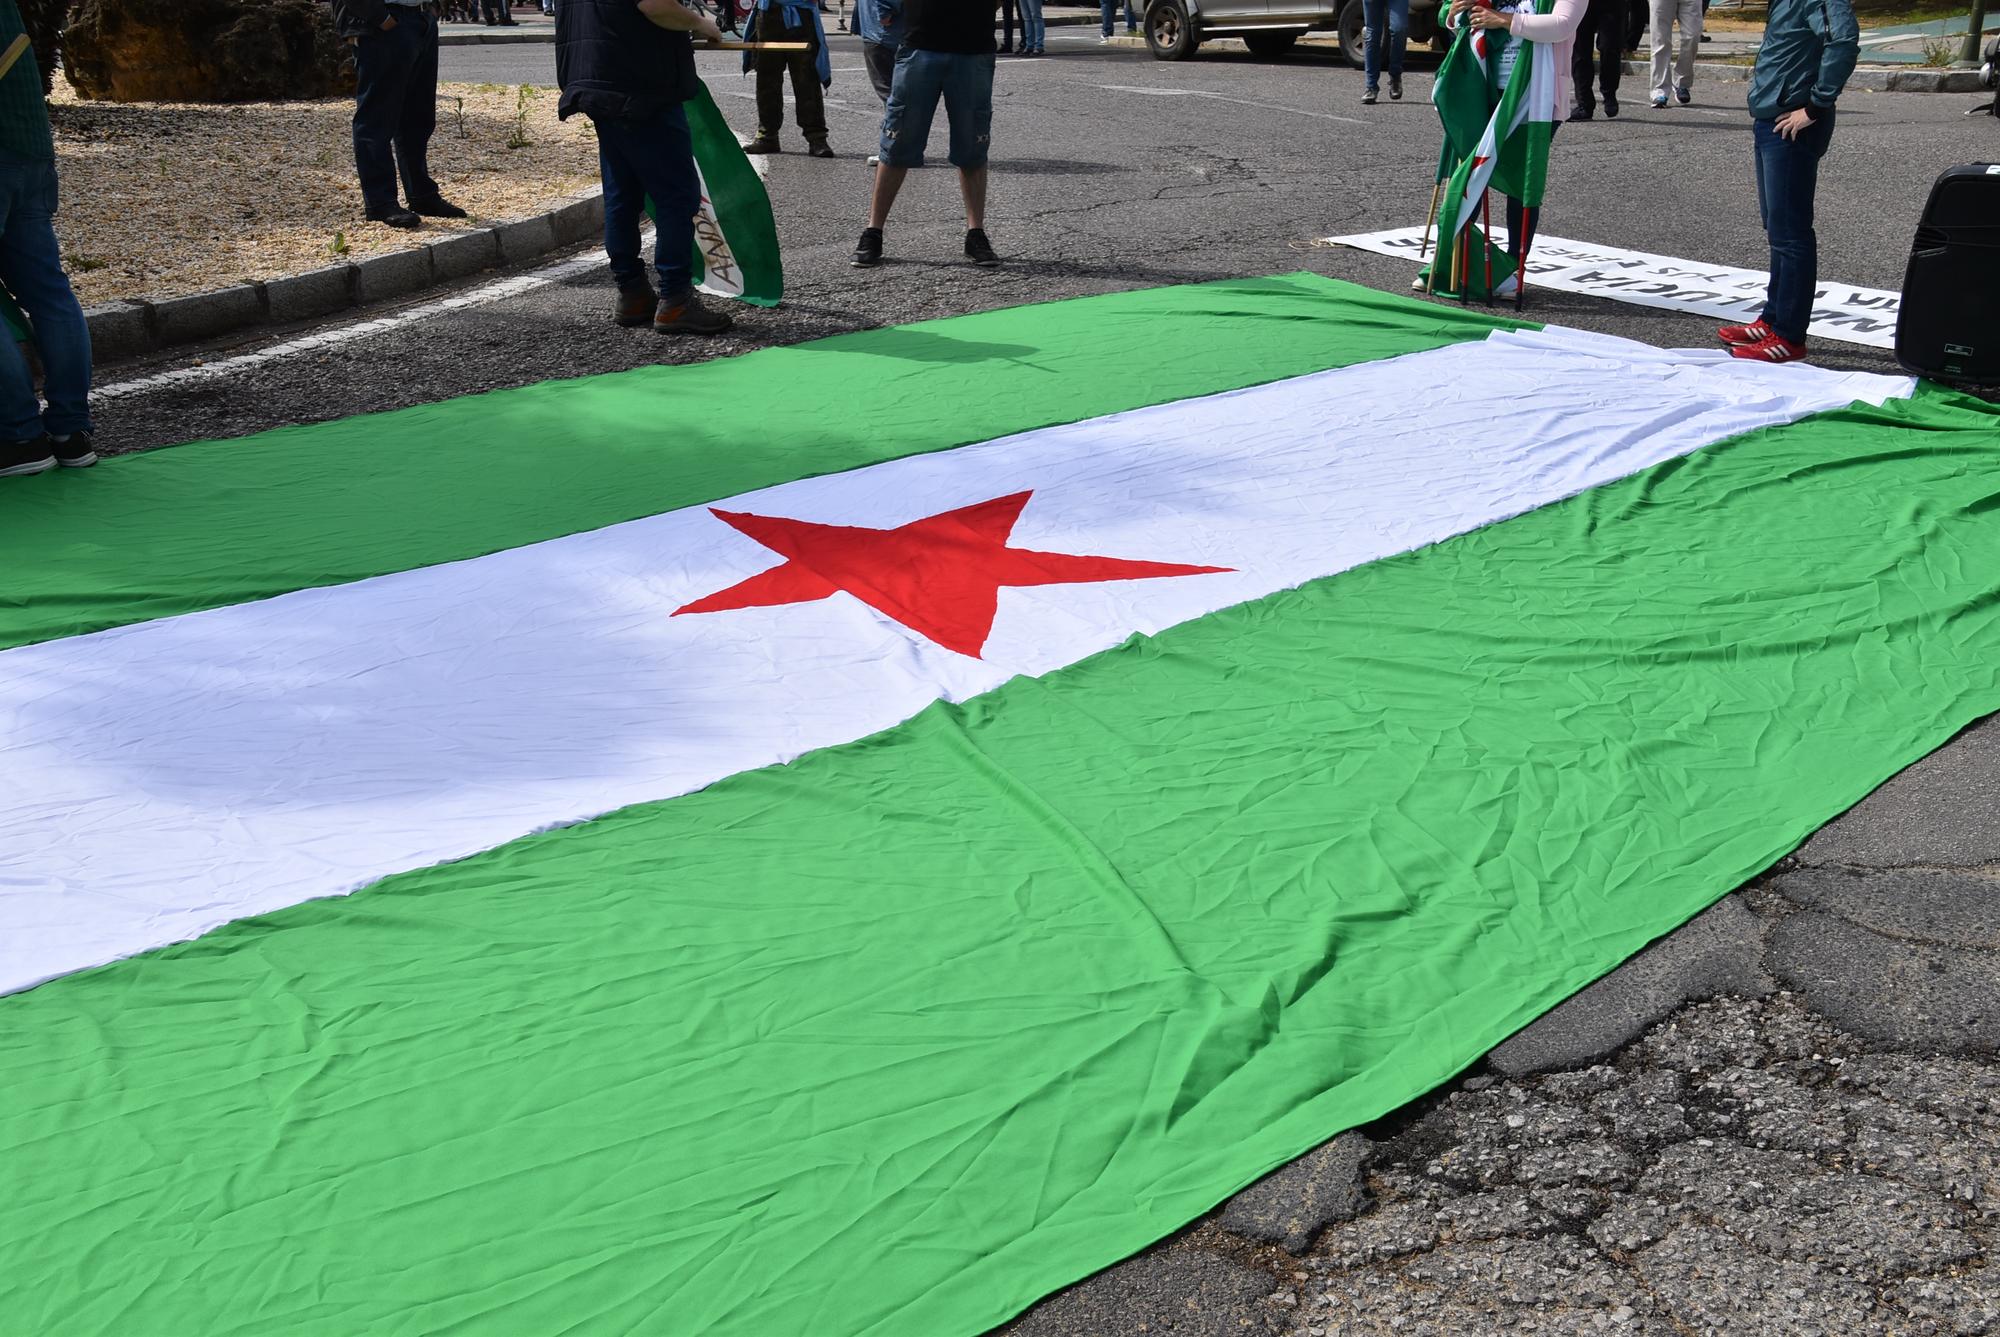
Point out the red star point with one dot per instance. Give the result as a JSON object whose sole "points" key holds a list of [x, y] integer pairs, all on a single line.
{"points": [[939, 576]]}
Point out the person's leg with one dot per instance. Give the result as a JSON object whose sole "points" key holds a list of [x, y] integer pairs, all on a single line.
{"points": [[1610, 51], [906, 119], [20, 410], [1788, 180], [1031, 14], [667, 173], [1131, 18], [808, 96], [880, 58], [1581, 73], [770, 67], [1690, 20], [1662, 34], [1374, 41], [882, 198], [419, 119], [968, 106], [382, 63], [624, 203], [31, 268], [1399, 36], [1108, 10], [1007, 26]]}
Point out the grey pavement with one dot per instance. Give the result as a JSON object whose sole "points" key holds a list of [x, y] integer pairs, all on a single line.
{"points": [[1784, 1118]]}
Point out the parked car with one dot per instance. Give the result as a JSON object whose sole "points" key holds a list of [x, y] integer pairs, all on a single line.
{"points": [[1175, 28]]}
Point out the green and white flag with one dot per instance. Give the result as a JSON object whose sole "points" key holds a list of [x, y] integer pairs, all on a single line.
{"points": [[1519, 80], [735, 235], [636, 854]]}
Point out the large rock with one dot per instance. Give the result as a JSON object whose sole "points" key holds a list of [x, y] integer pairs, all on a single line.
{"points": [[205, 51]]}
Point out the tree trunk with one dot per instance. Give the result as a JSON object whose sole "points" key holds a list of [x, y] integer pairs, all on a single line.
{"points": [[1974, 33]]}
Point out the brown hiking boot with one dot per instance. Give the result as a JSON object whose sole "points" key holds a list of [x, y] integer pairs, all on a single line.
{"points": [[635, 306], [683, 313]]}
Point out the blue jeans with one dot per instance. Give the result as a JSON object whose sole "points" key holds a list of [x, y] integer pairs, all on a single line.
{"points": [[1033, 31], [1388, 22], [963, 82], [651, 157], [1109, 11], [395, 109], [31, 267], [1787, 178]]}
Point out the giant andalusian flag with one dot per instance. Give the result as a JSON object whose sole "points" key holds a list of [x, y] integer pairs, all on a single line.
{"points": [[640, 854]]}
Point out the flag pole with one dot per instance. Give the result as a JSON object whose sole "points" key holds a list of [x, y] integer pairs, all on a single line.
{"points": [[1521, 264], [1486, 240]]}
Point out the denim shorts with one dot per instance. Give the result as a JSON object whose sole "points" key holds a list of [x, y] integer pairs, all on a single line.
{"points": [[964, 82]]}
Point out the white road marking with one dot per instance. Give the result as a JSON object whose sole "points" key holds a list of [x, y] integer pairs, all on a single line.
{"points": [[1239, 101], [484, 295]]}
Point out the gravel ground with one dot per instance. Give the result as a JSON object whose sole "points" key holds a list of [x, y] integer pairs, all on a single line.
{"points": [[275, 184]]}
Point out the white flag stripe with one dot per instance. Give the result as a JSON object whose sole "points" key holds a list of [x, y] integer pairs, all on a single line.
{"points": [[161, 779]]}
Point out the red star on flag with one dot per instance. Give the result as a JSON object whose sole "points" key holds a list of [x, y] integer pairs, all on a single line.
{"points": [[939, 576]]}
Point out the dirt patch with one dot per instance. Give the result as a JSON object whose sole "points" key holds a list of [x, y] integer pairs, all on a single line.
{"points": [[162, 199]]}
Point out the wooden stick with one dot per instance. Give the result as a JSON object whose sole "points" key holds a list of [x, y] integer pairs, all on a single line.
{"points": [[758, 46], [1430, 218], [1521, 262], [1486, 241], [12, 53]]}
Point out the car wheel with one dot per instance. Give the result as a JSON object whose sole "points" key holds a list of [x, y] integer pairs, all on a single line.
{"points": [[1169, 31], [1351, 24], [1269, 45]]}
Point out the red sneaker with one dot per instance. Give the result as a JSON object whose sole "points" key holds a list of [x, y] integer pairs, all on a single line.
{"points": [[1771, 348], [1737, 335]]}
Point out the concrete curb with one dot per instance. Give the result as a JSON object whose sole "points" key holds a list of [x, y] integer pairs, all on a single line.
{"points": [[127, 329], [1866, 80]]}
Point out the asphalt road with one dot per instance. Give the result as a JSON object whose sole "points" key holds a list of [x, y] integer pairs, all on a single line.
{"points": [[1812, 1151]]}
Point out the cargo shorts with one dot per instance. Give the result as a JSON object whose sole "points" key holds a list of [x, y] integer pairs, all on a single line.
{"points": [[965, 84]]}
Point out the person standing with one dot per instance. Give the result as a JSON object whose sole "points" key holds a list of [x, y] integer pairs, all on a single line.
{"points": [[629, 66], [1808, 52], [1601, 34], [1007, 27], [1034, 32], [880, 24], [1382, 41], [1669, 63], [395, 107], [1108, 11], [34, 439], [811, 71], [947, 55]]}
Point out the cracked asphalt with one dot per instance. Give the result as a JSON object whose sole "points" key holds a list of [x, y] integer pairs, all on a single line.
{"points": [[1784, 1118]]}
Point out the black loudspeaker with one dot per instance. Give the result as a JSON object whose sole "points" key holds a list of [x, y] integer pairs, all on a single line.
{"points": [[1949, 324]]}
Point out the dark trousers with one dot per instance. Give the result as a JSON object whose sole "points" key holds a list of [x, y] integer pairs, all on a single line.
{"points": [[495, 11], [649, 158], [1787, 181], [1601, 35], [880, 58], [1523, 224], [395, 109], [808, 98], [1007, 25]]}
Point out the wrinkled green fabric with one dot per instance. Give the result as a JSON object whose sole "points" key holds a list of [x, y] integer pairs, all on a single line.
{"points": [[904, 1035]]}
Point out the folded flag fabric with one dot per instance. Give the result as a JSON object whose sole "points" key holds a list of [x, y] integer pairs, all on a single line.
{"points": [[861, 879], [735, 236]]}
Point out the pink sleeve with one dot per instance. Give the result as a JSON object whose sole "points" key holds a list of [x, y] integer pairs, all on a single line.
{"points": [[1556, 26]]}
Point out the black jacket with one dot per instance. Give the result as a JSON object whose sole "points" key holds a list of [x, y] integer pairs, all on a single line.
{"points": [[356, 18], [613, 63]]}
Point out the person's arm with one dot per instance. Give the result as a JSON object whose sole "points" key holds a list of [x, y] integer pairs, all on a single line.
{"points": [[677, 17], [1558, 25], [1836, 58]]}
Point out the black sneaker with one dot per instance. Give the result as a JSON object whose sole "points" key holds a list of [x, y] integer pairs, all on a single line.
{"points": [[437, 207], [763, 144], [1611, 105], [1579, 113], [19, 458], [683, 313], [819, 148], [978, 249], [1367, 97], [402, 218], [1683, 94], [1395, 88], [75, 451], [868, 251]]}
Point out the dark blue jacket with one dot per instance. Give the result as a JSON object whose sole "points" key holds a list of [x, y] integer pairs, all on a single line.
{"points": [[614, 64]]}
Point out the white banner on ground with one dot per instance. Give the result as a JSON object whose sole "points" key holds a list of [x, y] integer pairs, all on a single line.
{"points": [[1841, 311]]}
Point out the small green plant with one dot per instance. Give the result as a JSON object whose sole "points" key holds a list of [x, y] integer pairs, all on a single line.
{"points": [[1940, 51], [339, 246], [84, 264], [458, 115], [524, 102]]}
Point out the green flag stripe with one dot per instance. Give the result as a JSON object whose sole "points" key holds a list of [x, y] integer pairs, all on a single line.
{"points": [[741, 205], [896, 1038], [223, 522]]}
